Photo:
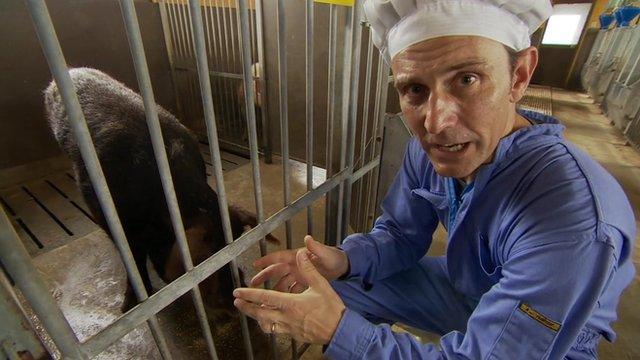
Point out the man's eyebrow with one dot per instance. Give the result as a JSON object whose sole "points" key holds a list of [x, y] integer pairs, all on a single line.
{"points": [[468, 63]]}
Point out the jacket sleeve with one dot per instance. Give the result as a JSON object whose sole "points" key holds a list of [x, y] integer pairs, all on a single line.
{"points": [[535, 311], [402, 234]]}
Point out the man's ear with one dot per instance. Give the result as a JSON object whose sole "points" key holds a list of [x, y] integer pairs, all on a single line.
{"points": [[522, 72]]}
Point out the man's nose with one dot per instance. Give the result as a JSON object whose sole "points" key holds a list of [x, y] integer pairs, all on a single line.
{"points": [[440, 113]]}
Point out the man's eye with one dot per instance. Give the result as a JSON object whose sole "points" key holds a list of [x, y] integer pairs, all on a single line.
{"points": [[468, 79], [415, 90]]}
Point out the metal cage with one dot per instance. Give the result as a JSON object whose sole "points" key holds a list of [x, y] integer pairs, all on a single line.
{"points": [[195, 35]]}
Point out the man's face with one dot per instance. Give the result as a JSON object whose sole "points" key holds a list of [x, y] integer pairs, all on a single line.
{"points": [[455, 95]]}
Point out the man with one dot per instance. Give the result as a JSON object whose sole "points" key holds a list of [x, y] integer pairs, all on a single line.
{"points": [[539, 235]]}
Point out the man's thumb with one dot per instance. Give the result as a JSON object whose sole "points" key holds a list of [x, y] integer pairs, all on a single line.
{"points": [[307, 270], [314, 247]]}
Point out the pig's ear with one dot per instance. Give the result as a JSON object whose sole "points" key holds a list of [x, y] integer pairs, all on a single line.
{"points": [[199, 246]]}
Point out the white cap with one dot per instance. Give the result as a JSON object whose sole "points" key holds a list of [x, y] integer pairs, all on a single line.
{"points": [[398, 24]]}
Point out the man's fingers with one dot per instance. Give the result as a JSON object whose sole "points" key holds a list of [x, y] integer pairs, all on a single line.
{"points": [[261, 296], [262, 315], [307, 270], [284, 283], [272, 272], [282, 256]]}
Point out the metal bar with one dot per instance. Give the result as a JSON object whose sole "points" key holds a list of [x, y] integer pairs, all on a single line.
{"points": [[184, 283], [347, 78], [365, 124], [234, 44], [284, 127], [245, 57], [266, 138], [222, 74], [330, 218], [309, 99], [167, 33], [177, 12], [144, 83], [222, 96], [378, 138], [207, 101], [222, 88], [374, 133], [365, 169], [228, 88], [58, 66], [18, 264], [231, 65]]}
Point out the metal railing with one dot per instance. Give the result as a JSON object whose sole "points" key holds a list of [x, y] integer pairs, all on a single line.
{"points": [[340, 179]]}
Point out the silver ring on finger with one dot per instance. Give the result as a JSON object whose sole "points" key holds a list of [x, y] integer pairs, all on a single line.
{"points": [[292, 285]]}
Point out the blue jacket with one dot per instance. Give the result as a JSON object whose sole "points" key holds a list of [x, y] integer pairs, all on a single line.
{"points": [[543, 229]]}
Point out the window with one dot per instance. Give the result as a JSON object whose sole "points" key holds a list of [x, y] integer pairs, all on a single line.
{"points": [[566, 24]]}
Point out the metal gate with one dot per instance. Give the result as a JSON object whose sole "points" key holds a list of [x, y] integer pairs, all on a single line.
{"points": [[224, 56], [351, 102]]}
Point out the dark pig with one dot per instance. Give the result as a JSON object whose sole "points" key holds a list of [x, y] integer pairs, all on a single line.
{"points": [[116, 120]]}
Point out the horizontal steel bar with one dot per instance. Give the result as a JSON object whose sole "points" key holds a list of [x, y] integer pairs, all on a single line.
{"points": [[184, 283], [365, 169], [221, 74]]}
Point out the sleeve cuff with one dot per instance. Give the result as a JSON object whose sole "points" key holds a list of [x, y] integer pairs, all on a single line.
{"points": [[352, 337], [355, 256]]}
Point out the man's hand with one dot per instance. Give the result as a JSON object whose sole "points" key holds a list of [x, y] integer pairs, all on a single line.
{"points": [[310, 317], [281, 267]]}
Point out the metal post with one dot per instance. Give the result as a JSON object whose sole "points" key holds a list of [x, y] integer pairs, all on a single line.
{"points": [[144, 83], [374, 134], [207, 101], [309, 105], [284, 127], [264, 110], [167, 33], [353, 35], [330, 218], [18, 264], [58, 66], [252, 129], [365, 121], [380, 118]]}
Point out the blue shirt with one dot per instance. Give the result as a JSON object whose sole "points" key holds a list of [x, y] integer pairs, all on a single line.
{"points": [[543, 232]]}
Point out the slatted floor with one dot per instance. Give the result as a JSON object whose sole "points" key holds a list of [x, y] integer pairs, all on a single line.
{"points": [[49, 212], [537, 98]]}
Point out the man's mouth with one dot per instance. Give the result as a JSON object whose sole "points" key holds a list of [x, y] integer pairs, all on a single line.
{"points": [[452, 147]]}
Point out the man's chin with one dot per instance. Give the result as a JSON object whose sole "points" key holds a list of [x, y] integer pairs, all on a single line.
{"points": [[451, 171]]}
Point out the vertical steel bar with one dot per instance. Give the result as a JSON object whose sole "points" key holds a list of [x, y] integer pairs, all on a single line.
{"points": [[377, 144], [53, 54], [309, 99], [365, 122], [217, 44], [166, 32], [262, 87], [207, 100], [228, 87], [17, 262], [349, 34], [330, 219], [245, 56], [234, 61], [374, 133], [144, 83], [352, 100], [284, 127], [284, 111], [224, 98]]}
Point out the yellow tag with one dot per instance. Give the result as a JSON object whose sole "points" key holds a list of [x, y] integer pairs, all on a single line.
{"points": [[337, 2], [539, 317]]}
